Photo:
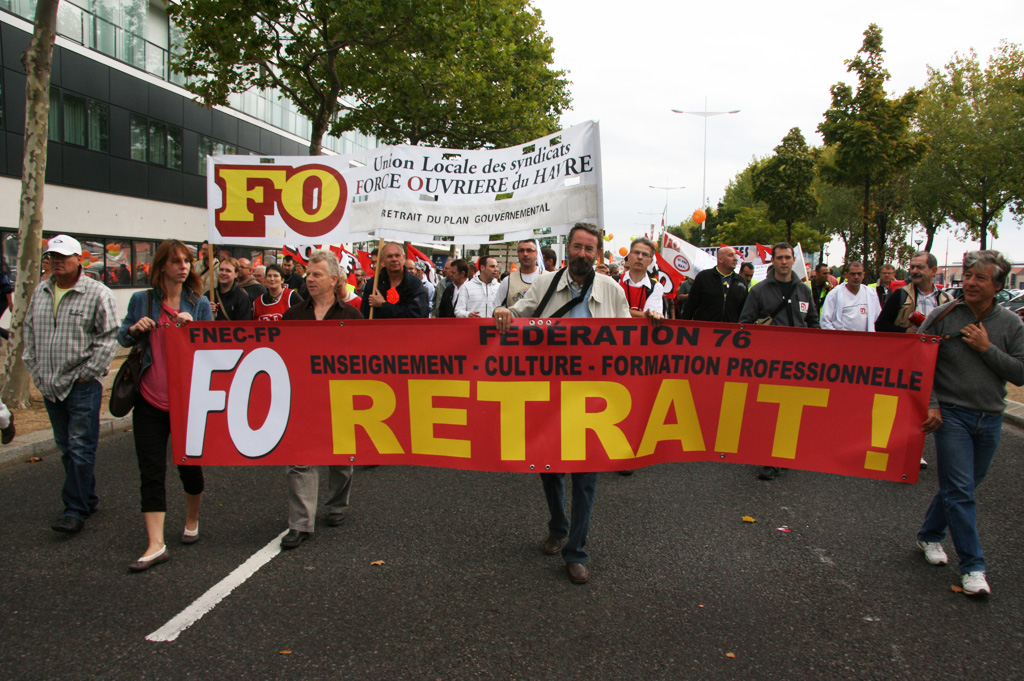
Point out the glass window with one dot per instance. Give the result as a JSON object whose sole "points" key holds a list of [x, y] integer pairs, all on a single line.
{"points": [[174, 147], [53, 129], [74, 120], [138, 137], [157, 143], [92, 259], [99, 126], [143, 259], [118, 261], [205, 149]]}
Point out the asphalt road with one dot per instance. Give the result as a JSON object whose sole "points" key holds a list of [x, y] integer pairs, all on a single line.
{"points": [[678, 582]]}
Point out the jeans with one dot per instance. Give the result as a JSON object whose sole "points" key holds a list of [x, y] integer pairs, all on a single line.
{"points": [[76, 431], [584, 487], [965, 442]]}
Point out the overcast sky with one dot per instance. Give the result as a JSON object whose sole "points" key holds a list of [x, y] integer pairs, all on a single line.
{"points": [[631, 63]]}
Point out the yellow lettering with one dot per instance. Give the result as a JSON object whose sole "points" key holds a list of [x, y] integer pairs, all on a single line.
{"points": [[512, 398], [297, 199], [576, 420], [241, 194], [345, 418], [791, 401], [673, 394], [883, 416], [730, 417], [423, 416]]}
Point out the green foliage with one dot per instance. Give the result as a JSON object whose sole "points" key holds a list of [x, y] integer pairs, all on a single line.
{"points": [[870, 138], [454, 74], [783, 182], [971, 118]]}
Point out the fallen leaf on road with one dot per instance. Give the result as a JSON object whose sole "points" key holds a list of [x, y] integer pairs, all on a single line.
{"points": [[377, 562], [956, 589], [748, 519], [285, 652], [33, 459], [730, 655]]}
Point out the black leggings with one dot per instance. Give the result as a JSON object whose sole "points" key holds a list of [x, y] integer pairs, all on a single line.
{"points": [[152, 428]]}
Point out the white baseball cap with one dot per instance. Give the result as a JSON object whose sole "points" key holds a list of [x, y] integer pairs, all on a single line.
{"points": [[64, 245]]}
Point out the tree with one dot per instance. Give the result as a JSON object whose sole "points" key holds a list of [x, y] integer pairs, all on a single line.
{"points": [[972, 120], [783, 182], [927, 201], [483, 81], [870, 137], [426, 71], [37, 61]]}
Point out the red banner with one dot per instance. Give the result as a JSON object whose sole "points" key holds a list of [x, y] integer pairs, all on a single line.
{"points": [[551, 395]]}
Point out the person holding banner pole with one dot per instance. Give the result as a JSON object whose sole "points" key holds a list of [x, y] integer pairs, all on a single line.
{"points": [[174, 299], [396, 294], [982, 348], [573, 291], [322, 276]]}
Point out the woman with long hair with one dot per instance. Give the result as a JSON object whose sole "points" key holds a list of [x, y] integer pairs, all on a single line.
{"points": [[175, 298]]}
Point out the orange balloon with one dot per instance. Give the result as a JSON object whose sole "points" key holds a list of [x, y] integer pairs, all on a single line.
{"points": [[86, 255], [623, 252], [699, 216]]}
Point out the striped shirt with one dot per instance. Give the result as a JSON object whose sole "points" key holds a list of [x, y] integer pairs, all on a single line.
{"points": [[77, 342]]}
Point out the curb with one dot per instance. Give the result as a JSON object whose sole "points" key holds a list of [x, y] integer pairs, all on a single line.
{"points": [[1014, 413], [41, 444]]}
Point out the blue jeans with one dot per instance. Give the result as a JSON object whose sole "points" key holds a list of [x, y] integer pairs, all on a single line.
{"points": [[965, 442], [584, 487], [76, 431]]}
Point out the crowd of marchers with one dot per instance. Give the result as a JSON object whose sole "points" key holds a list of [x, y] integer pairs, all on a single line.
{"points": [[73, 328]]}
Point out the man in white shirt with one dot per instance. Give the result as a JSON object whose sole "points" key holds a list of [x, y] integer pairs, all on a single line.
{"points": [[477, 297], [513, 287], [851, 307], [642, 293]]}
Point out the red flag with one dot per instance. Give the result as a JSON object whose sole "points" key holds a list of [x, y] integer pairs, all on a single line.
{"points": [[419, 256], [765, 253], [669, 276], [366, 262], [295, 252]]}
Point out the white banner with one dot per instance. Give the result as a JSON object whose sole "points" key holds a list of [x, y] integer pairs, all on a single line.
{"points": [[684, 257], [408, 193]]}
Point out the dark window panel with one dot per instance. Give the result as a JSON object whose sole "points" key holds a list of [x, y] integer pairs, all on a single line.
{"points": [[128, 92], [129, 177], [248, 136], [120, 133], [85, 76], [167, 106], [86, 169], [198, 118], [14, 43], [225, 127], [164, 184]]}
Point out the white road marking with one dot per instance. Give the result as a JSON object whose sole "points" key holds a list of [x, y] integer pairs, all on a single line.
{"points": [[209, 600]]}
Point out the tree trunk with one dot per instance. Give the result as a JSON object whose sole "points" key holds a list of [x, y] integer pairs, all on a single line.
{"points": [[37, 62]]}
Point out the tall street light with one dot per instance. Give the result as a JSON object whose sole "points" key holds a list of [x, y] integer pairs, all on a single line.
{"points": [[705, 114], [664, 224]]}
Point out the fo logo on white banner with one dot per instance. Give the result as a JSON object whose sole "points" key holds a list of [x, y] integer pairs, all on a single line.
{"points": [[681, 264]]}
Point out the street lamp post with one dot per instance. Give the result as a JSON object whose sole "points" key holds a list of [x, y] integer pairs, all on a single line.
{"points": [[705, 114], [664, 225]]}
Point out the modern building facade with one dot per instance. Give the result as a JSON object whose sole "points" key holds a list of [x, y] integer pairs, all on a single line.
{"points": [[126, 157]]}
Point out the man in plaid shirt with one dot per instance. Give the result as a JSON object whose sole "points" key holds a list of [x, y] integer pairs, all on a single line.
{"points": [[70, 337]]}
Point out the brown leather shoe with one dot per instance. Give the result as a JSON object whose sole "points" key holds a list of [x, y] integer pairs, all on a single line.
{"points": [[579, 573], [552, 545]]}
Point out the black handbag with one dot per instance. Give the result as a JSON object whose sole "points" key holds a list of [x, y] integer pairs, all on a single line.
{"points": [[126, 382]]}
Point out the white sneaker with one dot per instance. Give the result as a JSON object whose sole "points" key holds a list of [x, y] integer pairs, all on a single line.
{"points": [[933, 552], [975, 584], [924, 464]]}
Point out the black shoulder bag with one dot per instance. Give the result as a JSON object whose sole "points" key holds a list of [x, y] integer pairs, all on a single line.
{"points": [[126, 382]]}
